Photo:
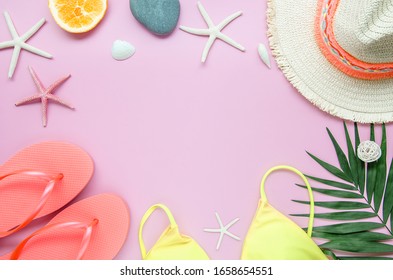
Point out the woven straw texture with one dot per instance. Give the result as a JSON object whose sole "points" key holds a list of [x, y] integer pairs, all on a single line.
{"points": [[364, 28], [291, 36]]}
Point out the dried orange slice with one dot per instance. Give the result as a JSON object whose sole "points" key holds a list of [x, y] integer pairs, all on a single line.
{"points": [[78, 16]]}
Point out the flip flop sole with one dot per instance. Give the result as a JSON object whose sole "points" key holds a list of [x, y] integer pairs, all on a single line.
{"points": [[108, 236], [20, 194]]}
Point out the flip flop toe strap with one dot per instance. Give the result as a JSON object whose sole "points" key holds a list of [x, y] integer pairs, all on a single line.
{"points": [[87, 227], [52, 180]]}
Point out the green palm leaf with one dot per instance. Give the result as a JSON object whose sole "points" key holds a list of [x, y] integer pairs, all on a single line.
{"points": [[335, 193], [371, 171], [345, 215], [330, 168], [332, 183], [348, 227], [338, 205], [342, 159], [358, 246], [388, 199], [364, 258], [353, 159], [366, 236], [381, 173], [358, 193], [329, 253], [360, 164]]}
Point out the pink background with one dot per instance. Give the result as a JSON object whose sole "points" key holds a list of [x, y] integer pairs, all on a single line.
{"points": [[162, 126]]}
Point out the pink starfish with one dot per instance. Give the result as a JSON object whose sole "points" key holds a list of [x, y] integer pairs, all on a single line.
{"points": [[44, 94]]}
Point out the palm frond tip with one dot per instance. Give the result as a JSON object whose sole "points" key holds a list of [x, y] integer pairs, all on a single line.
{"points": [[359, 192]]}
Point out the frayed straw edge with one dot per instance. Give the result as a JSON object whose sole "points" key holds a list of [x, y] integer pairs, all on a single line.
{"points": [[303, 88]]}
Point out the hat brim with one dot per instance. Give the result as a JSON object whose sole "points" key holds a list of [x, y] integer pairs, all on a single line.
{"points": [[292, 40]]}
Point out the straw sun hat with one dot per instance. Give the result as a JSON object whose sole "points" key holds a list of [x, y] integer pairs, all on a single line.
{"points": [[337, 53]]}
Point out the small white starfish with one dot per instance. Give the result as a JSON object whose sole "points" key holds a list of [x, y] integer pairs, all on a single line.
{"points": [[19, 43], [223, 230], [214, 31]]}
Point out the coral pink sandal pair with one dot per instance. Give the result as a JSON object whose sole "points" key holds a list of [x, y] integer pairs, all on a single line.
{"points": [[41, 179]]}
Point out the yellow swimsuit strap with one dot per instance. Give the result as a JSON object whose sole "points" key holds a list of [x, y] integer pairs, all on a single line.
{"points": [[285, 167], [146, 217]]}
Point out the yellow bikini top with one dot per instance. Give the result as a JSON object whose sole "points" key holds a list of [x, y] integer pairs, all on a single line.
{"points": [[272, 236], [171, 245]]}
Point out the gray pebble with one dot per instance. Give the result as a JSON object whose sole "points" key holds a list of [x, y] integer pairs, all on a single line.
{"points": [[158, 16]]}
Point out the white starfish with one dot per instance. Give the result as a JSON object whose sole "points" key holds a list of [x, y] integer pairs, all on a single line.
{"points": [[214, 31], [19, 43], [223, 230]]}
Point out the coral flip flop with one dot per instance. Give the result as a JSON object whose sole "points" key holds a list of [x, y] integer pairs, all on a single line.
{"points": [[39, 180], [94, 228]]}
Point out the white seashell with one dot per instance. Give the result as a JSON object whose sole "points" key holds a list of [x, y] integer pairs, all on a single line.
{"points": [[263, 54], [122, 50], [369, 151]]}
